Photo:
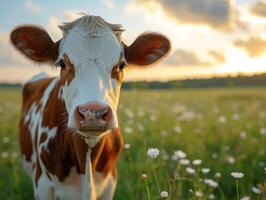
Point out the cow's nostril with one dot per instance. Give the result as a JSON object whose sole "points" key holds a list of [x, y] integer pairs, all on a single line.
{"points": [[106, 114], [101, 113], [80, 114]]}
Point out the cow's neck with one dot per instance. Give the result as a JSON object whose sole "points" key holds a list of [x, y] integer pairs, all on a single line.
{"points": [[83, 151]]}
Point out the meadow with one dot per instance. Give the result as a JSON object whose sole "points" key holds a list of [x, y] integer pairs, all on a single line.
{"points": [[203, 135]]}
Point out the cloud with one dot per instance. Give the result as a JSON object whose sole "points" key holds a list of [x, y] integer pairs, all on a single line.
{"points": [[259, 9], [254, 46], [187, 58], [35, 8], [219, 14], [217, 57]]}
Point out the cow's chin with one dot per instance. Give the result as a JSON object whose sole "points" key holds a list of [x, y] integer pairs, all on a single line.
{"points": [[92, 132]]}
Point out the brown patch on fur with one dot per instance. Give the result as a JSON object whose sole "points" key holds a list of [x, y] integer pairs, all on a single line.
{"points": [[25, 141], [117, 74], [68, 73], [105, 153], [43, 138], [38, 172]]}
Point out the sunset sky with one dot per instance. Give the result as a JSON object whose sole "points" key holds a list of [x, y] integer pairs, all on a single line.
{"points": [[209, 37]]}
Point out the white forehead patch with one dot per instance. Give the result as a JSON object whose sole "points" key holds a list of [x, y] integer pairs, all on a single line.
{"points": [[90, 40]]}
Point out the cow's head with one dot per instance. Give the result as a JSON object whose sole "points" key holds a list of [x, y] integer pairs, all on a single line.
{"points": [[92, 59]]}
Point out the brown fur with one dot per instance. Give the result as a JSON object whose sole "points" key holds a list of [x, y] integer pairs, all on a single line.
{"points": [[35, 43], [117, 74]]}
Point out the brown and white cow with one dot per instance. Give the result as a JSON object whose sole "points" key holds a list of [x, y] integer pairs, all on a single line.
{"points": [[69, 135]]}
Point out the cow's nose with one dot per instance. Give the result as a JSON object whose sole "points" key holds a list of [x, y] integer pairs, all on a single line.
{"points": [[93, 116]]}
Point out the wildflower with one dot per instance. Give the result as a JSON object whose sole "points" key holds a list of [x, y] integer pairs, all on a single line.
{"points": [[127, 146], [263, 131], [243, 134], [211, 183], [184, 162], [174, 157], [164, 133], [164, 194], [217, 175], [196, 162], [198, 194], [236, 117], [180, 154], [153, 118], [230, 159], [255, 190], [14, 155], [211, 196], [128, 130], [215, 155], [190, 190], [237, 175], [190, 170], [4, 154], [245, 198], [6, 139], [205, 170], [153, 152], [144, 176], [177, 129], [222, 119]]}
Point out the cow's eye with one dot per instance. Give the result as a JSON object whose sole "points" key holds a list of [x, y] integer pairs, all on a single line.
{"points": [[122, 66], [62, 64]]}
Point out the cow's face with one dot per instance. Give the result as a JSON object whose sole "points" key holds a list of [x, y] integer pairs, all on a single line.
{"points": [[92, 59]]}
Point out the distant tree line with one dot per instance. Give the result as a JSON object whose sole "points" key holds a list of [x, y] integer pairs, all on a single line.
{"points": [[239, 81]]}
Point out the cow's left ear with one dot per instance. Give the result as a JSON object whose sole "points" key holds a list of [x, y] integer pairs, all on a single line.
{"points": [[147, 49], [35, 43]]}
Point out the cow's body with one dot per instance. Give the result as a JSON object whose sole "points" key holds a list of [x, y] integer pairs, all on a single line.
{"points": [[54, 156], [69, 135]]}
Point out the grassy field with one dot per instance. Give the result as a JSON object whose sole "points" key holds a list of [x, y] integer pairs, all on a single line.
{"points": [[203, 135]]}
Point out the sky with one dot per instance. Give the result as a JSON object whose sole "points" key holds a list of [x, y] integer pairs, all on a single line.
{"points": [[209, 37]]}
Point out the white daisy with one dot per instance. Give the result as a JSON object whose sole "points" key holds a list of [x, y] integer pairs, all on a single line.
{"points": [[153, 152], [164, 194], [237, 175]]}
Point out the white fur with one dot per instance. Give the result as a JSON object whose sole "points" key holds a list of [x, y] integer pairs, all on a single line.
{"points": [[93, 57]]}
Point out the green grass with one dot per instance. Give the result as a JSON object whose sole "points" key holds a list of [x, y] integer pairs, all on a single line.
{"points": [[210, 131]]}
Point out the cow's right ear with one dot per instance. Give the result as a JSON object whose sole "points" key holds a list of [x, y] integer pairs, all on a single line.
{"points": [[35, 43]]}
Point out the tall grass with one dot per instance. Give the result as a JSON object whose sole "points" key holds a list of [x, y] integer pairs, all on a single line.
{"points": [[223, 129]]}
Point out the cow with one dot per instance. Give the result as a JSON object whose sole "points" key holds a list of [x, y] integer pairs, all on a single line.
{"points": [[69, 134]]}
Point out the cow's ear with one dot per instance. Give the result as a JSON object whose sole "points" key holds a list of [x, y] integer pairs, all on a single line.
{"points": [[147, 49], [35, 43]]}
